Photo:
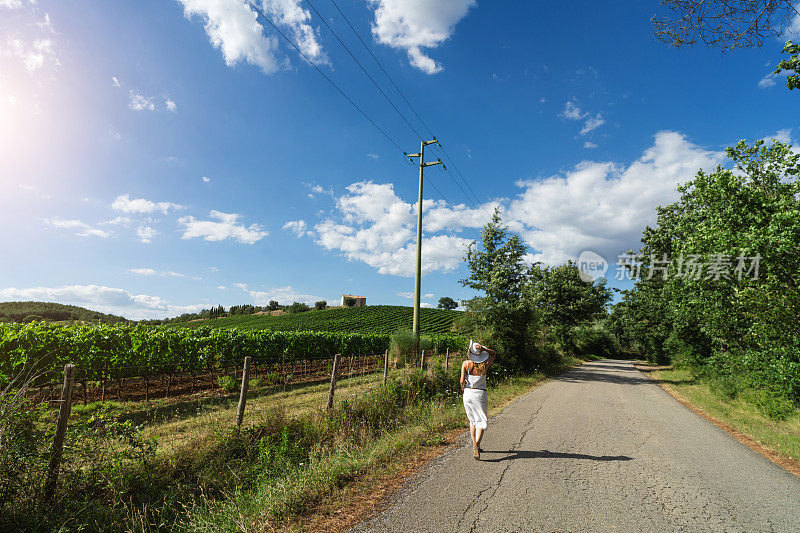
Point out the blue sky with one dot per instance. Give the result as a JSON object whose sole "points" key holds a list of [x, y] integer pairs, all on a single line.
{"points": [[157, 157]]}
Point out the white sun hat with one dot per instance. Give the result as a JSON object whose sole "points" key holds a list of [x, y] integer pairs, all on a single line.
{"points": [[477, 356]]}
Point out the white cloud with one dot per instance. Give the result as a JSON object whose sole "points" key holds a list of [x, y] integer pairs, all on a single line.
{"points": [[589, 144], [115, 82], [11, 4], [45, 24], [206, 179], [592, 123], [143, 271], [289, 14], [233, 28], [767, 81], [784, 136], [298, 227], [116, 221], [146, 271], [170, 105], [145, 234], [792, 31], [34, 55], [409, 295], [372, 156], [599, 206], [222, 287], [572, 111], [604, 206], [102, 298], [285, 295], [225, 226], [316, 189], [412, 25], [139, 102], [83, 229], [376, 227], [125, 204]]}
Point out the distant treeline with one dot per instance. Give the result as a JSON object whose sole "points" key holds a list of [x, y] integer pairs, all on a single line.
{"points": [[245, 309], [24, 312]]}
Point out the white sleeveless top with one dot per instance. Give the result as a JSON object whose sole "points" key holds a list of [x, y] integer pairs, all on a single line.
{"points": [[476, 382]]}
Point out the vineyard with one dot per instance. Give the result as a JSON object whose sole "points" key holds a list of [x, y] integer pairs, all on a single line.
{"points": [[106, 354], [379, 319]]}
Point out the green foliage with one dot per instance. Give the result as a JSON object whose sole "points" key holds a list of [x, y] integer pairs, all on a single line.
{"points": [[565, 300], [113, 478], [115, 352], [319, 306], [20, 438], [227, 383], [735, 326], [525, 308], [29, 311], [370, 319], [349, 302], [445, 302], [500, 273], [297, 307], [790, 65]]}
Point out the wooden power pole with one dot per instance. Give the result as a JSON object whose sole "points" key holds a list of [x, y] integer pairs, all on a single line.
{"points": [[418, 276]]}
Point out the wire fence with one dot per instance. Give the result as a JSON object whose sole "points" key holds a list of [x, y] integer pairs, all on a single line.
{"points": [[146, 383]]}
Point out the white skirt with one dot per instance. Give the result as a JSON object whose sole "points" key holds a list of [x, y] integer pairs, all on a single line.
{"points": [[476, 404]]}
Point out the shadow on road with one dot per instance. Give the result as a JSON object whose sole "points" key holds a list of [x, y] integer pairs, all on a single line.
{"points": [[604, 374], [546, 454]]}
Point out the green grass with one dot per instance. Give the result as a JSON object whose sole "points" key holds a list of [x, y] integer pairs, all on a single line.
{"points": [[370, 319], [192, 471], [742, 411]]}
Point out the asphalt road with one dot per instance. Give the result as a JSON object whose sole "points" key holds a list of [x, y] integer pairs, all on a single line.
{"points": [[601, 448]]}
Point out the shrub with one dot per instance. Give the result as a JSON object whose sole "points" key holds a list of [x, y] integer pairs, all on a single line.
{"points": [[401, 348], [227, 383]]}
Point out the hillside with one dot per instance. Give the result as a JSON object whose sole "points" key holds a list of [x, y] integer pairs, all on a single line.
{"points": [[52, 312], [369, 319]]}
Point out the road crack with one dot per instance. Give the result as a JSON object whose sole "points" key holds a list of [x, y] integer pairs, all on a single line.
{"points": [[494, 488]]}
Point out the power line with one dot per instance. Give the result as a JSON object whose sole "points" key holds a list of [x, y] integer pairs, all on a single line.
{"points": [[403, 96], [265, 17], [380, 66], [350, 100], [347, 49]]}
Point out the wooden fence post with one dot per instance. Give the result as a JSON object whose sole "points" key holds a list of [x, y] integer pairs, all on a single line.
{"points": [[243, 392], [447, 359], [333, 380], [385, 366], [422, 360], [61, 428]]}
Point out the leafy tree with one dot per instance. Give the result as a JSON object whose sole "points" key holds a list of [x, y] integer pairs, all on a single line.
{"points": [[791, 65], [564, 299], [349, 302], [499, 271], [727, 322], [445, 302], [273, 305], [297, 307], [322, 304]]}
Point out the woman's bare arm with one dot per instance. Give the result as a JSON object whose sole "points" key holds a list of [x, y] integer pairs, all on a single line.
{"points": [[463, 374], [492, 355]]}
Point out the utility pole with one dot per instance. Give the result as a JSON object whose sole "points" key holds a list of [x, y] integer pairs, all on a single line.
{"points": [[418, 276]]}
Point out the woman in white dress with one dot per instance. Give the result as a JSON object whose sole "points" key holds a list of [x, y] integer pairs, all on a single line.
{"points": [[473, 383]]}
